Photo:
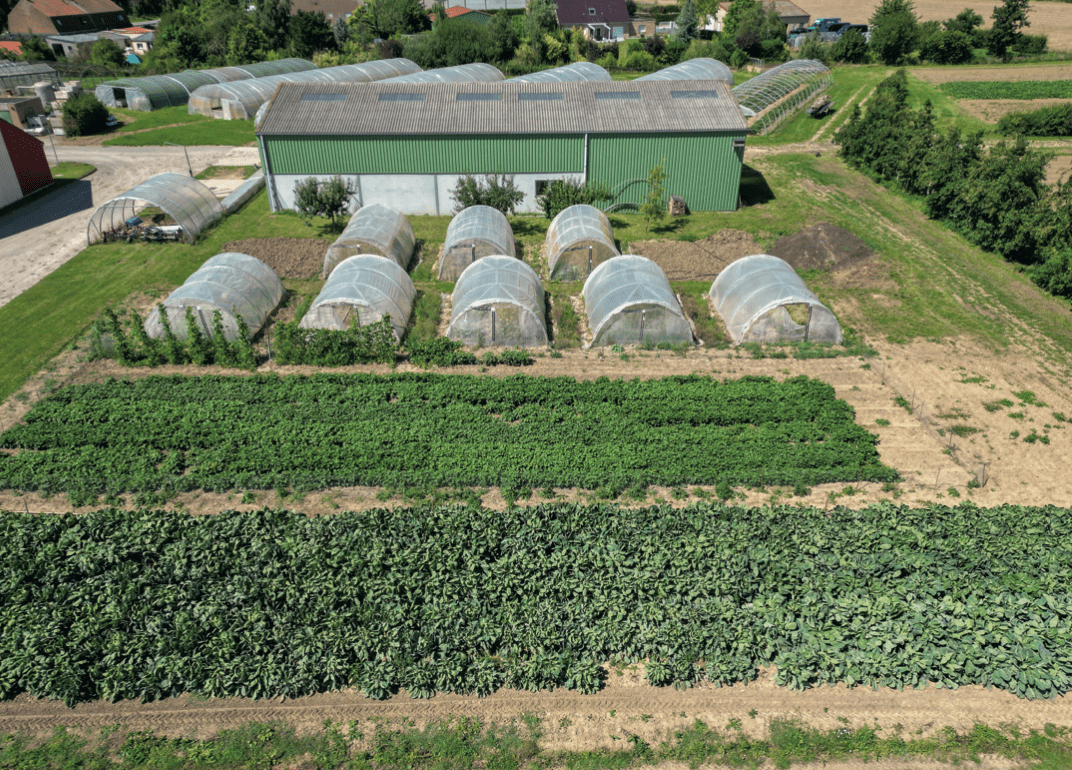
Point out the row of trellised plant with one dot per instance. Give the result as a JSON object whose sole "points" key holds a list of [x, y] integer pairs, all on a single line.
{"points": [[151, 603], [425, 430], [131, 345]]}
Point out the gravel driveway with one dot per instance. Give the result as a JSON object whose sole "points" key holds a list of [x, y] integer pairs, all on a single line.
{"points": [[37, 239]]}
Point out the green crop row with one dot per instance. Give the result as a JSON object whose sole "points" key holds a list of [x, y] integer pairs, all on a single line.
{"points": [[1009, 89], [427, 431], [149, 604]]}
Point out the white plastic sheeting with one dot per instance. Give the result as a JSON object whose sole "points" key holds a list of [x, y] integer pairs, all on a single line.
{"points": [[474, 233], [751, 295], [498, 300], [463, 73], [628, 300], [235, 284], [774, 95], [241, 100], [579, 239], [694, 69], [189, 202], [576, 72], [362, 290], [373, 229]]}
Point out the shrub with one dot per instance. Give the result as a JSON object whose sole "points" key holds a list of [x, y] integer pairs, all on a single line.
{"points": [[84, 114], [948, 48], [1047, 121], [496, 190], [563, 193]]}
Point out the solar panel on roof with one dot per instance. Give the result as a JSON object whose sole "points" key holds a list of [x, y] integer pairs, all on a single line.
{"points": [[617, 95]]}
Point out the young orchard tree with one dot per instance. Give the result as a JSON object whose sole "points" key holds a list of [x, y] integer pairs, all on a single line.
{"points": [[654, 208], [496, 190]]}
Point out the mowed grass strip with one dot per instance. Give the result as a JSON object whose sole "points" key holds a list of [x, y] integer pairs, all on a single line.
{"points": [[207, 131]]}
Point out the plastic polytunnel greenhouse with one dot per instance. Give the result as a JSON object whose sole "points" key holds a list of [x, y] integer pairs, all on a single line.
{"points": [[373, 229], [362, 290], [576, 72], [628, 300], [774, 95], [474, 233], [498, 300], [156, 91], [463, 73], [241, 100], [235, 284], [753, 296], [579, 239], [694, 69], [189, 202]]}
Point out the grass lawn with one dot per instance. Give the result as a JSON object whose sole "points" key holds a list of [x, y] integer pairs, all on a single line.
{"points": [[69, 170], [216, 171], [166, 117], [203, 131]]}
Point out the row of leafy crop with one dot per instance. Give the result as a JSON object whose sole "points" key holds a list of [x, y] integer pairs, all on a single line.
{"points": [[128, 343], [1026, 90], [428, 431], [129, 604]]}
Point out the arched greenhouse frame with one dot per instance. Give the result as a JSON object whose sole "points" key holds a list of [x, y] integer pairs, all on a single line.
{"points": [[752, 296], [579, 239], [581, 71], [373, 229], [498, 300], [474, 233], [362, 290], [234, 284], [628, 300], [189, 202], [702, 68], [774, 95]]}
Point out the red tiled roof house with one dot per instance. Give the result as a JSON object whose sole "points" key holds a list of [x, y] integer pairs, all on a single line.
{"points": [[64, 17]]}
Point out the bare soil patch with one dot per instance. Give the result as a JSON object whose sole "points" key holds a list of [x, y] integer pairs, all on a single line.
{"points": [[822, 246], [993, 110], [698, 260], [1010, 73], [1058, 168], [288, 257]]}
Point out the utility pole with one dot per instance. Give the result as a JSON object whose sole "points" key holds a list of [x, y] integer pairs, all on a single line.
{"points": [[185, 152]]}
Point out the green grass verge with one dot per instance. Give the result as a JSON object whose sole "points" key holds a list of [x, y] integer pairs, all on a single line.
{"points": [[459, 743], [215, 171], [70, 170], [168, 116], [205, 132]]}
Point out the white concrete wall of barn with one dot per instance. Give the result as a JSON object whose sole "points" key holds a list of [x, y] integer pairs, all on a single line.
{"points": [[407, 193]]}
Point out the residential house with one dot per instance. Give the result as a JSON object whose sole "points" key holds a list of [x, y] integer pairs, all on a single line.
{"points": [[11, 46], [138, 39], [65, 17], [790, 13], [466, 14], [597, 19]]}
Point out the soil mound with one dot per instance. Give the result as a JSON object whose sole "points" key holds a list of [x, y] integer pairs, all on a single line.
{"points": [[822, 247], [289, 257], [697, 260]]}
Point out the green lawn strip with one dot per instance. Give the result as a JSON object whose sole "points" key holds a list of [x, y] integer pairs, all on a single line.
{"points": [[215, 171], [1020, 89], [466, 599], [104, 275], [459, 743], [71, 170], [207, 132], [168, 116], [808, 438], [947, 113]]}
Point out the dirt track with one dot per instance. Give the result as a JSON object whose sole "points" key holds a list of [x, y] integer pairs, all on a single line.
{"points": [[591, 726]]}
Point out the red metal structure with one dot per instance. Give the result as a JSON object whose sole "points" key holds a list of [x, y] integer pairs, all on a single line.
{"points": [[23, 166]]}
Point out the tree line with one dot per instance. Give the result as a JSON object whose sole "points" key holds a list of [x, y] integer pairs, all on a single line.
{"points": [[997, 196]]}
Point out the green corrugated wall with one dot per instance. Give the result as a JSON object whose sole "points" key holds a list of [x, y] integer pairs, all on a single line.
{"points": [[704, 169], [512, 154]]}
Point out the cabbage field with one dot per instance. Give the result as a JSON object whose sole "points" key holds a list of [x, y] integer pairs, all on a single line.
{"points": [[151, 603], [427, 431], [1009, 89]]}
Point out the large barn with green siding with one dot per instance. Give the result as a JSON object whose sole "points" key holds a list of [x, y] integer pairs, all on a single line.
{"points": [[405, 145]]}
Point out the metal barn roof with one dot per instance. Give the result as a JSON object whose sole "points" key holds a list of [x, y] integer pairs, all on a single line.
{"points": [[501, 108]]}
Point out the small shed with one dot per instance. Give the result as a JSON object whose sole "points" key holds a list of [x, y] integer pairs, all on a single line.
{"points": [[753, 295], [235, 284], [628, 300], [476, 232], [373, 229], [579, 239], [498, 300], [362, 290]]}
